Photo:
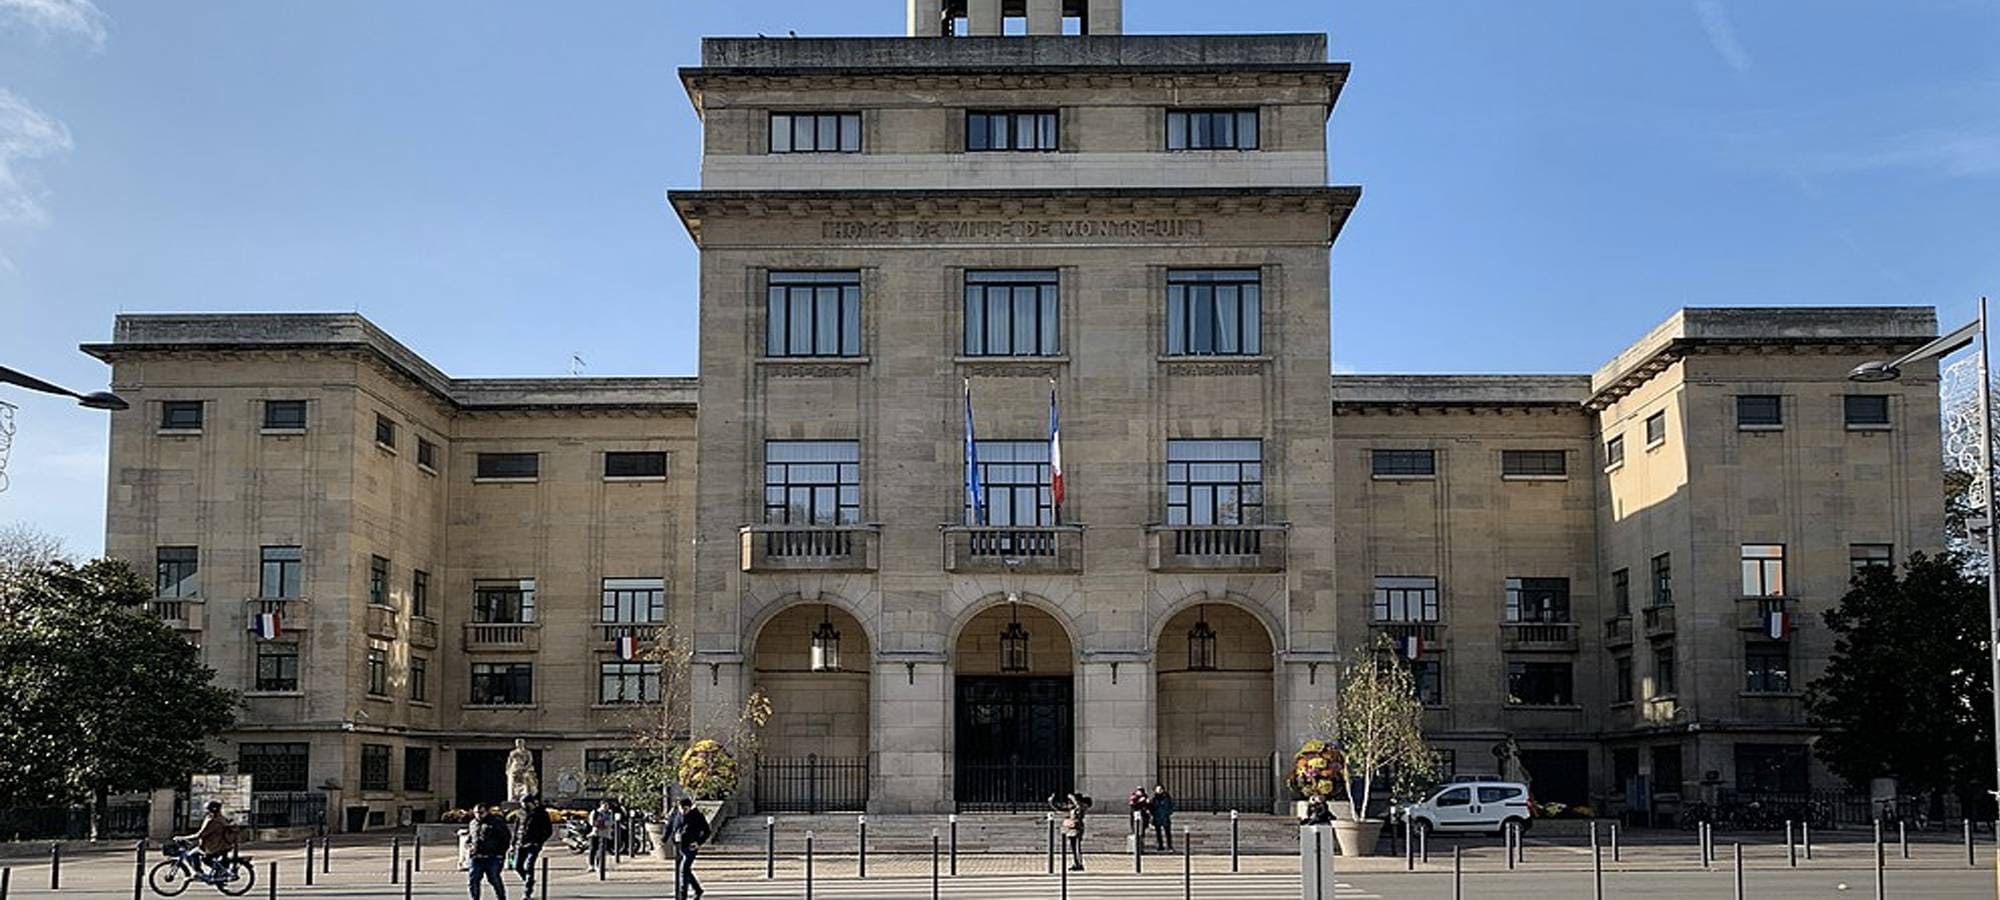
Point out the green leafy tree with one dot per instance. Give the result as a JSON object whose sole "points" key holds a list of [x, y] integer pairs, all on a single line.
{"points": [[101, 697], [1906, 692], [642, 775], [1379, 724]]}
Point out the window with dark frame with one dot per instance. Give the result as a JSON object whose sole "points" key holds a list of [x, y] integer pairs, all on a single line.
{"points": [[1215, 312], [1664, 680], [1861, 556], [1215, 482], [1621, 592], [176, 572], [1014, 475], [285, 415], [633, 601], [993, 130], [1621, 686], [417, 769], [628, 682], [1767, 667], [635, 464], [378, 581], [1212, 129], [504, 602], [420, 676], [282, 571], [503, 684], [1402, 463], [274, 766], [1406, 598], [385, 431], [1763, 570], [1656, 428], [378, 669], [1663, 580], [815, 132], [1538, 600], [426, 454], [509, 466], [1011, 313], [1772, 768], [420, 593], [812, 314], [277, 666], [812, 483], [1534, 463], [1429, 675], [1866, 410], [1614, 452], [1540, 684], [180, 415], [598, 764], [1759, 411], [375, 767]]}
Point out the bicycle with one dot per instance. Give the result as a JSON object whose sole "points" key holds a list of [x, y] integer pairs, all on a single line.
{"points": [[233, 874]]}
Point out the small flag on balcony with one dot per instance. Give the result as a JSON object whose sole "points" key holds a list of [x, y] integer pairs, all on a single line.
{"points": [[628, 648], [264, 626], [1055, 457], [1778, 625], [975, 491], [1411, 645]]}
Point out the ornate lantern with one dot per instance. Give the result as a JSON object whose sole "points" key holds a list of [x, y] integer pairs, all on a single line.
{"points": [[1014, 642], [1201, 644], [826, 644]]}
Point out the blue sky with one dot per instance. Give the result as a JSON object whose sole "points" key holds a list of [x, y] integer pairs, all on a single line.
{"points": [[1544, 179]]}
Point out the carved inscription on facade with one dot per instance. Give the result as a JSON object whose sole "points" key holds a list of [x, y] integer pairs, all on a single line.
{"points": [[1011, 229]]}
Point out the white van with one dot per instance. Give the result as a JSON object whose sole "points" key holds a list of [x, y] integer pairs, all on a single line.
{"points": [[1480, 806]]}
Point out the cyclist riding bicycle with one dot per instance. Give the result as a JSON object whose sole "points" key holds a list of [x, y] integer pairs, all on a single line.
{"points": [[213, 840]]}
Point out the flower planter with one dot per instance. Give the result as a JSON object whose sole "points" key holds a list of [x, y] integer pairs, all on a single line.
{"points": [[657, 833], [1357, 838]]}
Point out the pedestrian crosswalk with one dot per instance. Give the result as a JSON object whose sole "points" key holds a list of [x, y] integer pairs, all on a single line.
{"points": [[1037, 887]]}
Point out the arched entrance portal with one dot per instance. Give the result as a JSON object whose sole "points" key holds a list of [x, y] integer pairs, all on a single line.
{"points": [[1014, 723], [1217, 709], [814, 662]]}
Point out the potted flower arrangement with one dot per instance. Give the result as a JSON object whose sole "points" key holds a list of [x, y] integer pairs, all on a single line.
{"points": [[1317, 770], [1379, 728], [708, 771]]}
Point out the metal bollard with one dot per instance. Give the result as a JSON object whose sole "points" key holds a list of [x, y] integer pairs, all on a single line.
{"points": [[271, 878], [55, 866], [1791, 846], [1903, 838], [1878, 840], [1880, 888], [542, 880], [6, 876], [1596, 865], [1138, 844], [1614, 842], [861, 857], [1233, 834], [1409, 847], [1319, 865], [1738, 848], [1064, 874], [309, 862], [1051, 818], [139, 872], [395, 858], [953, 821], [809, 865], [1805, 833], [1457, 872], [1423, 845], [409, 881], [417, 851], [934, 864], [1968, 843], [770, 846], [603, 865], [326, 855], [1187, 863], [1508, 836]]}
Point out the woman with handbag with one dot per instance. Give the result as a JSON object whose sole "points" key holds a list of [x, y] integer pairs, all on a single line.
{"points": [[1073, 807]]}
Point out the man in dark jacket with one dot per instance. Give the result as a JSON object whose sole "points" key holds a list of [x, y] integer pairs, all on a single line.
{"points": [[687, 829], [490, 838], [535, 829], [1161, 808]]}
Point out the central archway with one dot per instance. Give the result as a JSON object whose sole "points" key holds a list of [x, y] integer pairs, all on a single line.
{"points": [[1014, 718], [1216, 708], [813, 753]]}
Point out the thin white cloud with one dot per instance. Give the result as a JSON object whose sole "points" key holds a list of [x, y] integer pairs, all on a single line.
{"points": [[1722, 34], [26, 133], [1954, 154], [50, 18]]}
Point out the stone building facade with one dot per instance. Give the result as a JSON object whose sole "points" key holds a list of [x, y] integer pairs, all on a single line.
{"points": [[1135, 231]]}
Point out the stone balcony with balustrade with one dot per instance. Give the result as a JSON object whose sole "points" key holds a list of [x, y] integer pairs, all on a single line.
{"points": [[180, 613], [1546, 637], [1029, 550], [1216, 548], [294, 614], [810, 548], [506, 637]]}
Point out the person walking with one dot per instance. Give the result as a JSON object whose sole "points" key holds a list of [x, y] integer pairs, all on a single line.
{"points": [[1136, 806], [536, 829], [1161, 807], [490, 840], [602, 825], [687, 829], [1073, 807]]}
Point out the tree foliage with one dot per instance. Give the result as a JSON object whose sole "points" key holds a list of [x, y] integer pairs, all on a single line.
{"points": [[643, 774], [100, 697], [1379, 724], [1907, 691]]}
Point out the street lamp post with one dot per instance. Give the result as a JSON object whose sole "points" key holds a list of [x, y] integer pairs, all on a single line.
{"points": [[1890, 371], [92, 400]]}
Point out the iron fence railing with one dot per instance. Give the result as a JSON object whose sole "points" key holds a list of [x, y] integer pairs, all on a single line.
{"points": [[1247, 783], [811, 784]]}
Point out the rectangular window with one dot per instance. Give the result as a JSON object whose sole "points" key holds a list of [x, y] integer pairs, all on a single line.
{"points": [[285, 415], [1767, 667], [1215, 482], [1212, 129], [420, 678], [1861, 556], [628, 682], [1667, 769], [1401, 598], [1621, 592], [509, 466], [635, 464], [1621, 687], [385, 431], [503, 684], [420, 593], [827, 132], [378, 581], [176, 572], [1539, 684], [1534, 463], [426, 454], [812, 314], [417, 769], [1763, 570], [1402, 463], [283, 570], [1011, 313], [1867, 410], [504, 602], [1216, 312], [1429, 674], [1664, 681], [180, 415], [1772, 768], [1663, 580], [1539, 600], [1656, 428], [277, 666], [1015, 478], [375, 767], [633, 601], [1614, 452], [1010, 130], [812, 483], [1759, 411], [378, 669], [274, 766], [598, 764]]}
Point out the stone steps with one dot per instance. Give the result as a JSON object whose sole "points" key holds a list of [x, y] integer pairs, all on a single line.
{"points": [[995, 833]]}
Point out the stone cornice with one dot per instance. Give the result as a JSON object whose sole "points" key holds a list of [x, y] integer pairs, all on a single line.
{"points": [[701, 81]]}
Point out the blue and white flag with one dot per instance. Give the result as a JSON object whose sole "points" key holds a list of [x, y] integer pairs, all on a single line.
{"points": [[975, 492]]}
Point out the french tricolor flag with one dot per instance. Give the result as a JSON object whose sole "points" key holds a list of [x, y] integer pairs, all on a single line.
{"points": [[1410, 645], [264, 626], [1055, 456], [628, 648], [1778, 625]]}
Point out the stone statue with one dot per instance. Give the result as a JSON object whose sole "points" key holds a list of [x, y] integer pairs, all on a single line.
{"points": [[1511, 768], [521, 772]]}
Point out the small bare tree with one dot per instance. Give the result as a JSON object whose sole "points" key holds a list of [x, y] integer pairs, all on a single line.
{"points": [[1379, 724], [645, 773], [23, 546]]}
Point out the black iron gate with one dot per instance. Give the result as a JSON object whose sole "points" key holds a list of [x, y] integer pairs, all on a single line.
{"points": [[1220, 784], [811, 784], [1013, 742]]}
